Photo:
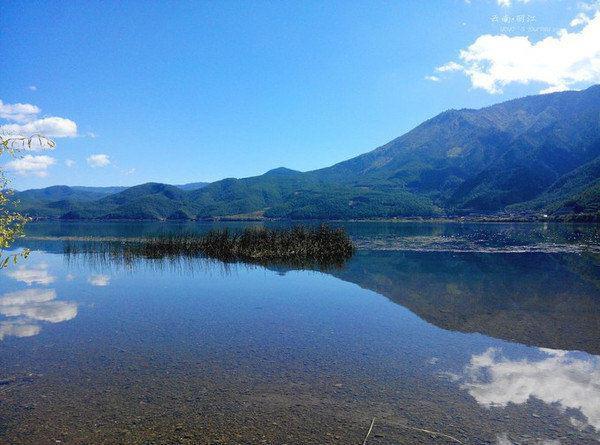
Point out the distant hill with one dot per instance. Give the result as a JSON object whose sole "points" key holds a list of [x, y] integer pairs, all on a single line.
{"points": [[55, 201], [58, 192], [533, 155], [192, 185]]}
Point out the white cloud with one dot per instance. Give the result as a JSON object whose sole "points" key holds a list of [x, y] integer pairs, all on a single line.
{"points": [[24, 120], [450, 66], [31, 165], [18, 112], [53, 127], [592, 6], [32, 88], [98, 160], [559, 62], [29, 276], [99, 280], [570, 380], [580, 19], [508, 3], [433, 78], [69, 162]]}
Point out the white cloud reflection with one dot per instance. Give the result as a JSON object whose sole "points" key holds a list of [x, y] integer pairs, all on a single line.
{"points": [[51, 311], [99, 280], [25, 297], [570, 380], [32, 275], [26, 308], [18, 328]]}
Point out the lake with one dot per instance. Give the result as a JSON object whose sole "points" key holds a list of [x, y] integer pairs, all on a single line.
{"points": [[441, 332]]}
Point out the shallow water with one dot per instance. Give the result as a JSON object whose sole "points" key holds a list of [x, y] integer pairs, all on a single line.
{"points": [[485, 343]]}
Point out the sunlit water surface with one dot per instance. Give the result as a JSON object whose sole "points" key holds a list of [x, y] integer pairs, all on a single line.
{"points": [[442, 333]]}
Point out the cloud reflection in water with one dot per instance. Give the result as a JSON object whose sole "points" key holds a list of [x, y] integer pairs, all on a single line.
{"points": [[25, 309], [570, 380], [18, 328], [32, 275], [99, 280]]}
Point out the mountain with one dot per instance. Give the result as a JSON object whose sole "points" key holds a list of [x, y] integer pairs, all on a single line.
{"points": [[58, 192], [484, 160], [192, 185], [575, 192], [55, 201], [533, 155]]}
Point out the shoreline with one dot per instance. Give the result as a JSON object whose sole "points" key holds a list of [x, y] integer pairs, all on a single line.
{"points": [[362, 244], [458, 219]]}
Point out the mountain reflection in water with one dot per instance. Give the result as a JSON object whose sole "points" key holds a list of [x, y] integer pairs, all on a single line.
{"points": [[545, 300], [550, 301], [248, 351]]}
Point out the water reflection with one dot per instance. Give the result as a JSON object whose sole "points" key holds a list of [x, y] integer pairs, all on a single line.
{"points": [[24, 297], [18, 328], [161, 345], [569, 380], [32, 275], [543, 300], [550, 301], [479, 235], [24, 310], [99, 280]]}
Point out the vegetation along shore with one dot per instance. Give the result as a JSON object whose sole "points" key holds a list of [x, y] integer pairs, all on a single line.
{"points": [[320, 246]]}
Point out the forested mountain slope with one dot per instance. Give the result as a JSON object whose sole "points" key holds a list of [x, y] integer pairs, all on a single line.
{"points": [[537, 154]]}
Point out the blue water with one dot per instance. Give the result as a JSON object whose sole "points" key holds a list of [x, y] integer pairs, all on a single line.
{"points": [[478, 345]]}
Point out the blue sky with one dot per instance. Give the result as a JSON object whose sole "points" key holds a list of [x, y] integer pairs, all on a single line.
{"points": [[180, 92]]}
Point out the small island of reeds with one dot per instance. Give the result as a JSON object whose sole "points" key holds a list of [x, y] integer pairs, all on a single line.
{"points": [[301, 246]]}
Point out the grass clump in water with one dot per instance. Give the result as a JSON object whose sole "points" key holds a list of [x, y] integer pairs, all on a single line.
{"points": [[302, 246]]}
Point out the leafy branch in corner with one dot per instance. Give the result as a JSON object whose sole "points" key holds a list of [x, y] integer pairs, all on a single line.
{"points": [[12, 223]]}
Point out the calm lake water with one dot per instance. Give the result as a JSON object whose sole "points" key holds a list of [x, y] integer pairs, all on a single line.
{"points": [[444, 333]]}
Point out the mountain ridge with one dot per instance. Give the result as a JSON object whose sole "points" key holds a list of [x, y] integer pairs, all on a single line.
{"points": [[532, 155]]}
